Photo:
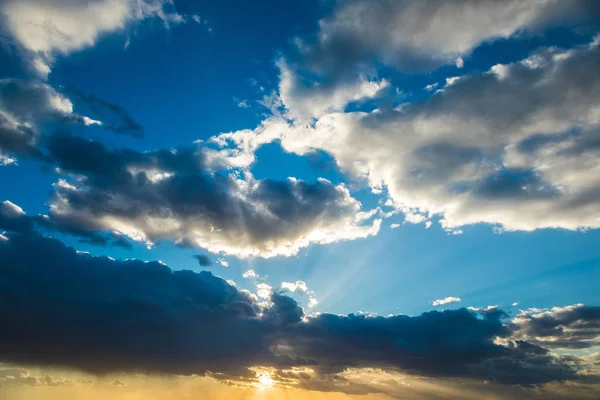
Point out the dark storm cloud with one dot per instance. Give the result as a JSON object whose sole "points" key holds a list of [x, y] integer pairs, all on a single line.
{"points": [[61, 307]]}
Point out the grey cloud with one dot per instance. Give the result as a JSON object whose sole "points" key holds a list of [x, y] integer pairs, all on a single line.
{"points": [[174, 195], [573, 327], [28, 108], [203, 260], [114, 118]]}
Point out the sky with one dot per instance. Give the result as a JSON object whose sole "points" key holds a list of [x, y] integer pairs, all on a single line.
{"points": [[328, 198]]}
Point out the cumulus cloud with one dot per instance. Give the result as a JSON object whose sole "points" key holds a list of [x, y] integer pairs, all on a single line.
{"points": [[46, 29], [489, 148], [447, 300], [250, 274], [298, 286], [171, 194], [422, 35], [110, 316], [306, 102]]}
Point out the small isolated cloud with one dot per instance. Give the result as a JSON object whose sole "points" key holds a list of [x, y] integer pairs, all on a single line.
{"points": [[250, 274], [203, 260], [241, 103], [394, 226], [459, 62], [223, 262], [432, 86], [516, 303], [447, 300]]}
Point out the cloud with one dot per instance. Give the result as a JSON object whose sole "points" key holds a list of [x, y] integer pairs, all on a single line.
{"points": [[203, 260], [223, 262], [113, 117], [571, 327], [109, 316], [24, 105], [173, 195], [447, 300], [304, 102], [421, 36], [29, 107], [472, 157], [45, 29], [298, 286], [250, 274]]}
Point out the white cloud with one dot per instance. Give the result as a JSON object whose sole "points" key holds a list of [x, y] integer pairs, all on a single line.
{"points": [[10, 209], [430, 87], [6, 160], [47, 28], [531, 149], [447, 300], [304, 103], [264, 291], [223, 262], [516, 303], [297, 287], [425, 34], [241, 103], [394, 226], [459, 62], [250, 274]]}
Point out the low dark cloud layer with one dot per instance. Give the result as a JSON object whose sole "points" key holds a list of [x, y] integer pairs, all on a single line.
{"points": [[62, 307]]}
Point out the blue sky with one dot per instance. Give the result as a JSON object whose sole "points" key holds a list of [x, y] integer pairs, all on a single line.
{"points": [[180, 85], [457, 206]]}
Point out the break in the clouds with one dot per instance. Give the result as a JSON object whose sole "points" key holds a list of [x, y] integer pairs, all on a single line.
{"points": [[174, 195], [108, 316], [491, 147], [46, 29]]}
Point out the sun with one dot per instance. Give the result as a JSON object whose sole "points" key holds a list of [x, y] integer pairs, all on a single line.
{"points": [[265, 381]]}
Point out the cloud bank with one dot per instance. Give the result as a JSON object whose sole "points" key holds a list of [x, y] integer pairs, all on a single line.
{"points": [[65, 308]]}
